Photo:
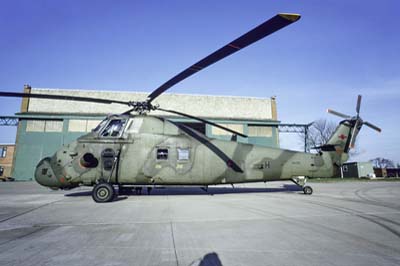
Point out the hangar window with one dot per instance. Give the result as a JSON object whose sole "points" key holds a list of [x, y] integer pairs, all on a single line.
{"points": [[91, 125], [1, 170], [53, 126], [183, 154], [44, 126], [113, 128], [80, 125], [200, 127], [220, 132], [259, 131], [3, 152], [35, 125], [162, 154], [77, 125]]}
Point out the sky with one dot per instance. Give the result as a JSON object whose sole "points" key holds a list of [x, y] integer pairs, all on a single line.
{"points": [[337, 50]]}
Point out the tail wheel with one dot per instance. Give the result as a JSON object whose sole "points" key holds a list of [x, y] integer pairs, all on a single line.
{"points": [[307, 190], [103, 192]]}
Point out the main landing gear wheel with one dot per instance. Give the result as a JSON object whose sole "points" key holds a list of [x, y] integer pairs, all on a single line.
{"points": [[103, 192], [307, 190]]}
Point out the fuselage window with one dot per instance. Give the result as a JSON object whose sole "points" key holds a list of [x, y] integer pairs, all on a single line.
{"points": [[113, 128], [162, 154], [183, 154]]}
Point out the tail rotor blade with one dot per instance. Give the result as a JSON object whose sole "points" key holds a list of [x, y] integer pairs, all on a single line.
{"points": [[353, 139], [338, 114], [358, 104], [372, 126]]}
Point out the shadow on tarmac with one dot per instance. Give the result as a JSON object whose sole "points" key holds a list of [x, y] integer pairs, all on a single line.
{"points": [[170, 191], [210, 259]]}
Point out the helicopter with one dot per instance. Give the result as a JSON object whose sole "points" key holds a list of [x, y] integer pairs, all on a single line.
{"points": [[135, 150]]}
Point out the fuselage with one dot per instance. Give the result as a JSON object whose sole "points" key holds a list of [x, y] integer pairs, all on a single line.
{"points": [[144, 150]]}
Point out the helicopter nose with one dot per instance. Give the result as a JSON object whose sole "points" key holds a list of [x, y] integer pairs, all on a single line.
{"points": [[45, 176]]}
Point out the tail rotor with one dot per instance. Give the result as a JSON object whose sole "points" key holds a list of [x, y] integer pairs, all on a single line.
{"points": [[356, 121]]}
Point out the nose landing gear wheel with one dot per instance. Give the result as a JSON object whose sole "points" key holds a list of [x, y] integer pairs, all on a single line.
{"points": [[307, 190], [103, 192]]}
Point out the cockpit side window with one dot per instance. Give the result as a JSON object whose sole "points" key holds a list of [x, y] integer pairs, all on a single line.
{"points": [[114, 128]]}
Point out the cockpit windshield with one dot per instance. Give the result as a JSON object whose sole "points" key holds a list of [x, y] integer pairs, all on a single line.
{"points": [[100, 126], [114, 128]]}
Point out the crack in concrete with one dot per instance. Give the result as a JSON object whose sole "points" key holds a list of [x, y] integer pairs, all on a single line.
{"points": [[28, 211]]}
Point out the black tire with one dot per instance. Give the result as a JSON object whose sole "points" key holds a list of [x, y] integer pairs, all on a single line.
{"points": [[307, 190], [103, 192]]}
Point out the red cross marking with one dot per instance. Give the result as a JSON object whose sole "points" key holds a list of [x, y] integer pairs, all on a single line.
{"points": [[342, 137]]}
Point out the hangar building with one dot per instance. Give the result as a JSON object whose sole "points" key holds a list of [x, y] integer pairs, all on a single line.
{"points": [[45, 125], [6, 158]]}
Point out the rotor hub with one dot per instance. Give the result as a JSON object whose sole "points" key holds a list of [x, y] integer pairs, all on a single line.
{"points": [[142, 107]]}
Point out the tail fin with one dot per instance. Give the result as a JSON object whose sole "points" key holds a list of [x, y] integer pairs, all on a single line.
{"points": [[338, 145]]}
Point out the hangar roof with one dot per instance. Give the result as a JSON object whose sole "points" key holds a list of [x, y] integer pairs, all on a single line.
{"points": [[206, 106]]}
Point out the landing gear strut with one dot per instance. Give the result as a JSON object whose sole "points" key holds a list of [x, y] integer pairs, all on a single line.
{"points": [[301, 182], [103, 192]]}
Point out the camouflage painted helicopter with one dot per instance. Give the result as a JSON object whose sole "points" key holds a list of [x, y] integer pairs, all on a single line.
{"points": [[136, 150]]}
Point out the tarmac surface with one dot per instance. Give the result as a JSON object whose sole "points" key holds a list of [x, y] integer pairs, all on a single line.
{"points": [[346, 223]]}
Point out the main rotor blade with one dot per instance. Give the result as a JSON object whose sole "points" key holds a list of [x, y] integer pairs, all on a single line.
{"points": [[338, 114], [59, 97], [229, 162], [270, 26], [204, 121], [358, 104], [373, 126]]}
